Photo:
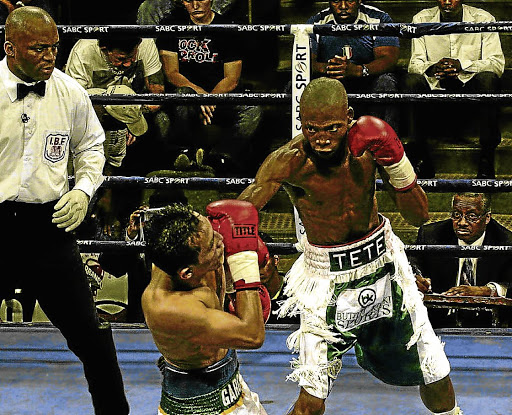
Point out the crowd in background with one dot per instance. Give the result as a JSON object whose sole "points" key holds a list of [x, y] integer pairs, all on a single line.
{"points": [[231, 140]]}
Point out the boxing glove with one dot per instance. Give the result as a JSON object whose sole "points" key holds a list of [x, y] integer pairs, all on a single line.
{"points": [[266, 303], [376, 136], [237, 222]]}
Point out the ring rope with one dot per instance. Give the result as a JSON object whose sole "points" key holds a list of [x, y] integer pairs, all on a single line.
{"points": [[300, 71], [228, 183], [284, 98], [283, 248], [405, 30]]}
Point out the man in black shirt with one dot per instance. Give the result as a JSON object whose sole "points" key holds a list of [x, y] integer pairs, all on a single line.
{"points": [[202, 63]]}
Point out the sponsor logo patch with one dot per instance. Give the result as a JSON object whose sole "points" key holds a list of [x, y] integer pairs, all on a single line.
{"points": [[358, 306]]}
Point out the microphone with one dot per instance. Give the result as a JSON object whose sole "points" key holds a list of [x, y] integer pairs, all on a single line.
{"points": [[25, 118]]}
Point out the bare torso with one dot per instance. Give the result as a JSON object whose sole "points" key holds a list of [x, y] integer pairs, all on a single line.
{"points": [[336, 204], [168, 311]]}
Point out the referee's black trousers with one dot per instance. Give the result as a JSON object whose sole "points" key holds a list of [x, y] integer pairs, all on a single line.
{"points": [[50, 268]]}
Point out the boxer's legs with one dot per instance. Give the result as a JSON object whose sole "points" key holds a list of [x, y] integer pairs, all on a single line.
{"points": [[439, 396], [308, 404]]}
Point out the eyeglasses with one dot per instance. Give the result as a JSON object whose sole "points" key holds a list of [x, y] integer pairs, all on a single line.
{"points": [[470, 217]]}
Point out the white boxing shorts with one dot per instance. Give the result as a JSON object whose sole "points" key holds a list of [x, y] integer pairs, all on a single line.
{"points": [[363, 295]]}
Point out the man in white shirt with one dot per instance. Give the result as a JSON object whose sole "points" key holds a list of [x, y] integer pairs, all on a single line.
{"points": [[460, 63], [471, 224], [47, 119]]}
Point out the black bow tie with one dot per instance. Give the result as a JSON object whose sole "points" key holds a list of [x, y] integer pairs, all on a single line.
{"points": [[39, 88]]}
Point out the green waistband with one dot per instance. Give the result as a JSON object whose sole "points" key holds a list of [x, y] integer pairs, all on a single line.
{"points": [[212, 403]]}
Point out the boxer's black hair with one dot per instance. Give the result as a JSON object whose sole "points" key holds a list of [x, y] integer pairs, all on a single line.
{"points": [[169, 235]]}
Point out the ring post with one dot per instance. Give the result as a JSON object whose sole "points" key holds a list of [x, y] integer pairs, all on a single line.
{"points": [[301, 75]]}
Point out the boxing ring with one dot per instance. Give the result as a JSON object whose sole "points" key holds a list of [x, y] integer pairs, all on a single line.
{"points": [[39, 375]]}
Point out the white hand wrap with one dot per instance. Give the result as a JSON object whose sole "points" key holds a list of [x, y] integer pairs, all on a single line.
{"points": [[401, 175], [244, 269]]}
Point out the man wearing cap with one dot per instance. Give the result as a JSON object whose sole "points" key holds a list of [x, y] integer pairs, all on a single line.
{"points": [[129, 61], [124, 65], [130, 116]]}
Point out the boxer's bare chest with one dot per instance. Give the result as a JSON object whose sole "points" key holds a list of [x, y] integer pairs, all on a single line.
{"points": [[336, 204]]}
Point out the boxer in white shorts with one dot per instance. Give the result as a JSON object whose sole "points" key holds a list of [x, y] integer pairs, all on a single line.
{"points": [[360, 294], [329, 173]]}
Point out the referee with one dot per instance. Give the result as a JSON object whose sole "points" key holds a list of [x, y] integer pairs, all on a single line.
{"points": [[47, 118]]}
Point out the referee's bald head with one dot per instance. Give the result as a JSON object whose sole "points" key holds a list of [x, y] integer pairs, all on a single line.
{"points": [[26, 18], [31, 43]]}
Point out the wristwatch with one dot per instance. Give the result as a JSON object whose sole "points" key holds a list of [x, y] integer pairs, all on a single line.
{"points": [[365, 72]]}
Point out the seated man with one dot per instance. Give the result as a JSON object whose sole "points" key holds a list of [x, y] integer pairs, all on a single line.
{"points": [[128, 62], [184, 302], [469, 63], [196, 62], [471, 224], [151, 12], [363, 64]]}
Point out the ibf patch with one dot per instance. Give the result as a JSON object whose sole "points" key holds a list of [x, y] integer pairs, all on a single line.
{"points": [[244, 231], [55, 147]]}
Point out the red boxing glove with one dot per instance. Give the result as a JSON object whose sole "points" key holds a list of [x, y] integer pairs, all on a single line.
{"points": [[237, 222], [231, 304], [376, 136], [266, 303], [373, 134]]}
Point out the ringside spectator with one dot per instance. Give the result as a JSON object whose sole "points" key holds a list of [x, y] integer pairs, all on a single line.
{"points": [[471, 224], [199, 63], [469, 63], [364, 64]]}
